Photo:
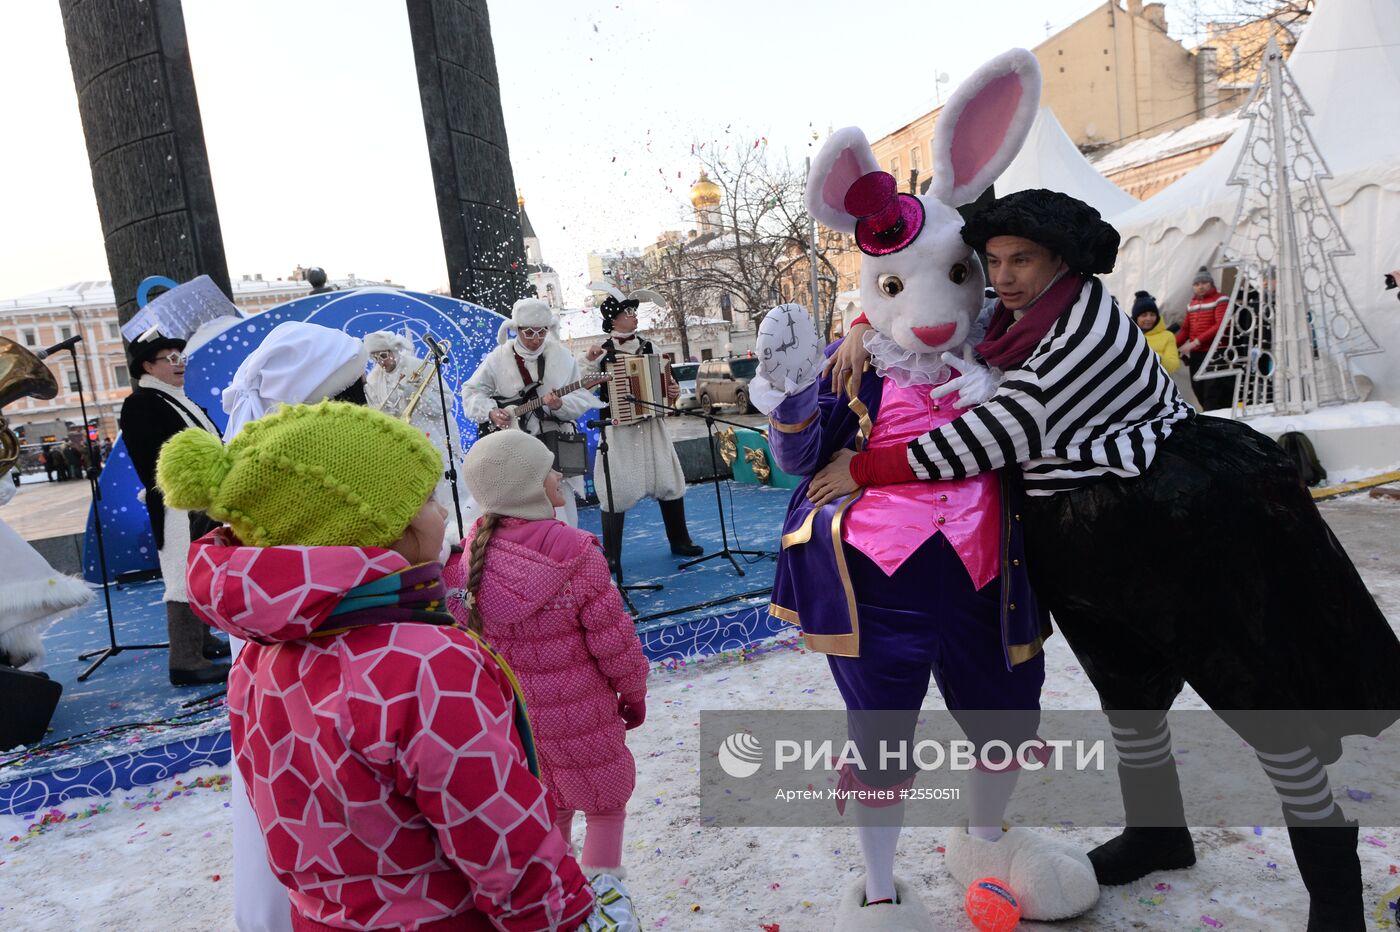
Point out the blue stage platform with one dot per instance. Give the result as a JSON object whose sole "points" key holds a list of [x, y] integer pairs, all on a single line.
{"points": [[127, 726]]}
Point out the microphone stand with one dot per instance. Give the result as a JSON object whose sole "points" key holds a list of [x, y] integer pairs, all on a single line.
{"points": [[725, 551], [451, 473], [112, 648], [602, 425]]}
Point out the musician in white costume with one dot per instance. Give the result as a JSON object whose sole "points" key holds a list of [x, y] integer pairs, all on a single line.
{"points": [[535, 357], [642, 460], [394, 379]]}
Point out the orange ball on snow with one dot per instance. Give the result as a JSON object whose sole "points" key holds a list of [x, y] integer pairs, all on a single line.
{"points": [[991, 905]]}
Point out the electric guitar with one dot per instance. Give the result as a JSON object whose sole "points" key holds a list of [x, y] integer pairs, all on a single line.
{"points": [[530, 399]]}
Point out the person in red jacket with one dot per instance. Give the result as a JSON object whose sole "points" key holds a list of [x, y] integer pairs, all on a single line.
{"points": [[1203, 318], [542, 593], [385, 750]]}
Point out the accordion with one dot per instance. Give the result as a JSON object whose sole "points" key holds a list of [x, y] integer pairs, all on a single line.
{"points": [[634, 377]]}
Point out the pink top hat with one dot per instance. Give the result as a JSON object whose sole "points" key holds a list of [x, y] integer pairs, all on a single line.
{"points": [[887, 220]]}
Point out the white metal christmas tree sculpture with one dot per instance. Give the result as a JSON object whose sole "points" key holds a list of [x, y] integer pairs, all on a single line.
{"points": [[1290, 330]]}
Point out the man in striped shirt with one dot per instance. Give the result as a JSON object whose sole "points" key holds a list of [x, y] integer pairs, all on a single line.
{"points": [[1114, 465]]}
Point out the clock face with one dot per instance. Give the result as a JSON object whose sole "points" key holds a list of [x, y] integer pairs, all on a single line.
{"points": [[788, 344]]}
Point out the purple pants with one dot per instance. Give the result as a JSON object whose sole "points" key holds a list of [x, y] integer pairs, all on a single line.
{"points": [[928, 619]]}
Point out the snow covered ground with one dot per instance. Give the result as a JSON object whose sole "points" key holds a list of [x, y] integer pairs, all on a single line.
{"points": [[159, 858]]}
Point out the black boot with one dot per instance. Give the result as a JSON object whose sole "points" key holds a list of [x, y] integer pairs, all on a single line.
{"points": [[612, 538], [1156, 838], [1331, 870], [188, 666], [673, 514], [215, 647]]}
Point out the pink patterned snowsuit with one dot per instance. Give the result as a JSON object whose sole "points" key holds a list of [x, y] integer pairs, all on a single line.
{"points": [[383, 763], [548, 605]]}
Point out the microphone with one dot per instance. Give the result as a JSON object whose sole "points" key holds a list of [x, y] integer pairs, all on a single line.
{"points": [[434, 347], [67, 344]]}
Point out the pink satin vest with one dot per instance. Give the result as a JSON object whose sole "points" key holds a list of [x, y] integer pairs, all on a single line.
{"points": [[889, 522]]}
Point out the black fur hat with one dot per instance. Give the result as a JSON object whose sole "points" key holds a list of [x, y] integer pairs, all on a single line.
{"points": [[613, 308], [1065, 225]]}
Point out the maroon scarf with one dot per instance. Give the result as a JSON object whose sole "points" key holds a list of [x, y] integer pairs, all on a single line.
{"points": [[1006, 346]]}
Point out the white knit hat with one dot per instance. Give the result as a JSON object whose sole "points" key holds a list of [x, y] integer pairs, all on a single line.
{"points": [[531, 312], [505, 472]]}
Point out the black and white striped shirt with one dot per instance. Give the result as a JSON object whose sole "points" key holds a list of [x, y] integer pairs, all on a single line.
{"points": [[1091, 400]]}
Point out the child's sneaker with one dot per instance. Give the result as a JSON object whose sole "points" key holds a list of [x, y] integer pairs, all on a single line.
{"points": [[612, 906]]}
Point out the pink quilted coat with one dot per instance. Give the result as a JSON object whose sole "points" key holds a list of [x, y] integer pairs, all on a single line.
{"points": [[548, 605], [383, 763]]}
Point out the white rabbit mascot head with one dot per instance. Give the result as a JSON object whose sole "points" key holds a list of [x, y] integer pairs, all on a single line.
{"points": [[920, 284]]}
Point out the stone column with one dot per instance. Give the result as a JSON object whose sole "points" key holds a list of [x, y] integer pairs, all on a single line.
{"points": [[467, 148], [145, 140]]}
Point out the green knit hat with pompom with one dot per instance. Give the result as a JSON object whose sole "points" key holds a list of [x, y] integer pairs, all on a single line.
{"points": [[329, 474]]}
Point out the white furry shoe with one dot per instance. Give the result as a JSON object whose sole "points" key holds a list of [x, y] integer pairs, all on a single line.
{"points": [[906, 914], [1050, 879]]}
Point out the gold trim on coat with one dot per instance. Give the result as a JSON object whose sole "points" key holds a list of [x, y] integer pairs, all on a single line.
{"points": [[802, 533], [844, 573], [856, 405], [840, 645], [794, 428], [783, 614]]}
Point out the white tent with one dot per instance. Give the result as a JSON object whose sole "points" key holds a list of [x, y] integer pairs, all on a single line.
{"points": [[1348, 70], [1050, 160]]}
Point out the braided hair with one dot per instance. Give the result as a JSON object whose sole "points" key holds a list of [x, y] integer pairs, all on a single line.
{"points": [[476, 556]]}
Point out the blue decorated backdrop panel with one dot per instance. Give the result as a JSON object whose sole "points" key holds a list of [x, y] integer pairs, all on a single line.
{"points": [[470, 328]]}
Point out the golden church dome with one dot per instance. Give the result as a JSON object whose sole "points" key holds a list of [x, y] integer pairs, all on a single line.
{"points": [[704, 193]]}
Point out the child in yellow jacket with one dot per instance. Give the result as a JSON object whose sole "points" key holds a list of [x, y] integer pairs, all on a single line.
{"points": [[1163, 343]]}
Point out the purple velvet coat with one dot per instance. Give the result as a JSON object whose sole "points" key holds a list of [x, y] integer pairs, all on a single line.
{"points": [[811, 587]]}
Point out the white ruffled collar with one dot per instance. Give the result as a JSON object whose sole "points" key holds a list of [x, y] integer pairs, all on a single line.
{"points": [[905, 367]]}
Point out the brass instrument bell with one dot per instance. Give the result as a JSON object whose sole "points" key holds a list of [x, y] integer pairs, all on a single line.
{"points": [[22, 375]]}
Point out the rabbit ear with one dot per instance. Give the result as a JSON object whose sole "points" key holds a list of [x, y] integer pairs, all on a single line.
{"points": [[646, 294], [606, 289], [844, 159], [983, 126]]}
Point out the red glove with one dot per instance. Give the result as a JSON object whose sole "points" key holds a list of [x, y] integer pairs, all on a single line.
{"points": [[633, 713]]}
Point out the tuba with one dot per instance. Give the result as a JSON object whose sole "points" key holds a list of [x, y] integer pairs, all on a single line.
{"points": [[21, 375]]}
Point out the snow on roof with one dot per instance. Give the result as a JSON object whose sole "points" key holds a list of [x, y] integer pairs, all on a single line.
{"points": [[588, 322], [1206, 132], [1048, 159], [99, 293]]}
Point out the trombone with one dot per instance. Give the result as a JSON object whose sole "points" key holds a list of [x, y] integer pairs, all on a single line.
{"points": [[421, 377]]}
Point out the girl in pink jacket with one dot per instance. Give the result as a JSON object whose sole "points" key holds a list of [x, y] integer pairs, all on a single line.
{"points": [[541, 593]]}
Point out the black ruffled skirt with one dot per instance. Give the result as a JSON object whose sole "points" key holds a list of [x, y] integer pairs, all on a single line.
{"points": [[1215, 568]]}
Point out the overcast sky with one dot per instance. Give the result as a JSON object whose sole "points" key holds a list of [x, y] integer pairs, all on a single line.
{"points": [[315, 133]]}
